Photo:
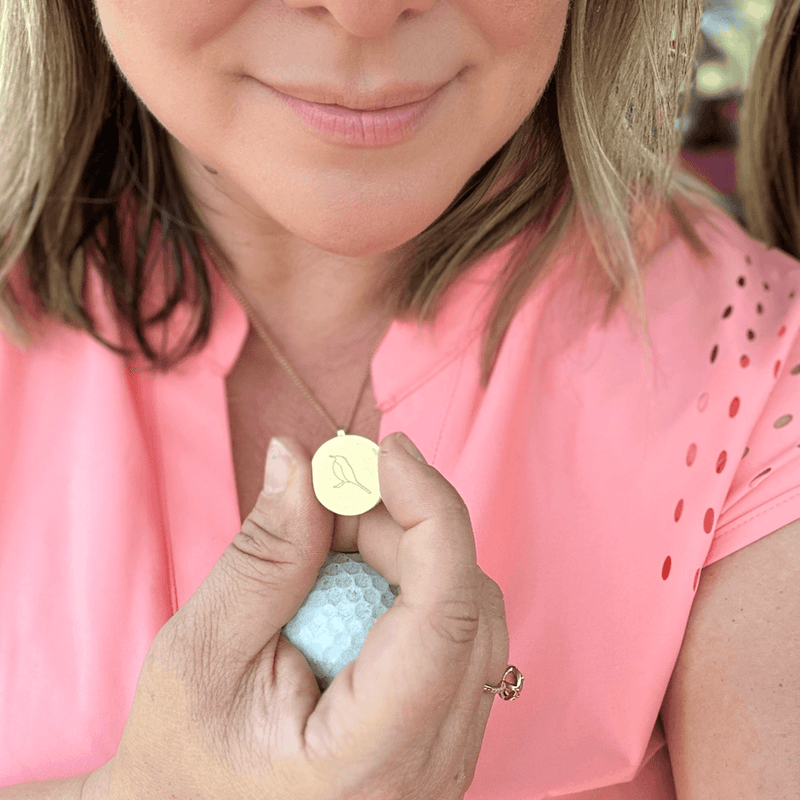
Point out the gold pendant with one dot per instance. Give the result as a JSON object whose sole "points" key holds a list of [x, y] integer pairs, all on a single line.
{"points": [[344, 471]]}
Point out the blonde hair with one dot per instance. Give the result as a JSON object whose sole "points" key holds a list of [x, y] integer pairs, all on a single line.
{"points": [[768, 151], [602, 140]]}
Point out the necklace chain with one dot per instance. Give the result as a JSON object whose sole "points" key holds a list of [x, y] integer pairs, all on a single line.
{"points": [[298, 382]]}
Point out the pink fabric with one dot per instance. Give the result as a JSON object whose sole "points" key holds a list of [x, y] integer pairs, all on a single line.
{"points": [[598, 488]]}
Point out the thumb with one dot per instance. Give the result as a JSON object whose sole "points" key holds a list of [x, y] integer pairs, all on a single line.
{"points": [[270, 566]]}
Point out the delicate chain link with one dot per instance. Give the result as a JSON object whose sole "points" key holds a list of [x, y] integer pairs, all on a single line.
{"points": [[301, 385]]}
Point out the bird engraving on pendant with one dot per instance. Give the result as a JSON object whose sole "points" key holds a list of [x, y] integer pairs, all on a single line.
{"points": [[345, 473]]}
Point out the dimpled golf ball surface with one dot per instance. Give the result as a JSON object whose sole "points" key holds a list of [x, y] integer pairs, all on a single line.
{"points": [[333, 622]]}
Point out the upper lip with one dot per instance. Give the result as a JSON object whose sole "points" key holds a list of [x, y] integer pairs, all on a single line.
{"points": [[389, 96]]}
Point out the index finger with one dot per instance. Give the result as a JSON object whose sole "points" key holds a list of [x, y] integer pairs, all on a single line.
{"points": [[416, 654]]}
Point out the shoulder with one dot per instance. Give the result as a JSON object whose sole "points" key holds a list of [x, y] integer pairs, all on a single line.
{"points": [[731, 712]]}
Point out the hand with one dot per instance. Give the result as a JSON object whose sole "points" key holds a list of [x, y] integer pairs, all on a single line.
{"points": [[226, 708]]}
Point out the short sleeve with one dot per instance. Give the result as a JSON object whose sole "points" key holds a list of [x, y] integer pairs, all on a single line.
{"points": [[764, 495]]}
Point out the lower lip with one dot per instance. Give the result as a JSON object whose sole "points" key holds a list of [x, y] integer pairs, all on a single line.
{"points": [[364, 128]]}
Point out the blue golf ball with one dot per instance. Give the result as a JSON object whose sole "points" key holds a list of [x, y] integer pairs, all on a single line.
{"points": [[330, 627]]}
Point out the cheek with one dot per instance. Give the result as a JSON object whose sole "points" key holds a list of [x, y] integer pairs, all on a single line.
{"points": [[509, 25], [523, 39], [185, 24]]}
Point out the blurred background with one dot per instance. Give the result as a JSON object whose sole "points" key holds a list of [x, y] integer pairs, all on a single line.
{"points": [[732, 32]]}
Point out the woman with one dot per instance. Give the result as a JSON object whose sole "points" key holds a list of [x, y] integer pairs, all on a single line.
{"points": [[474, 253]]}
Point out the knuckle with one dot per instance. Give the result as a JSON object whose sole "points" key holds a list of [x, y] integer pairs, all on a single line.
{"points": [[262, 556], [493, 598], [457, 510], [456, 621]]}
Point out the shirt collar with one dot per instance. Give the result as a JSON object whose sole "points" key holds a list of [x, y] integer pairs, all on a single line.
{"points": [[408, 354]]}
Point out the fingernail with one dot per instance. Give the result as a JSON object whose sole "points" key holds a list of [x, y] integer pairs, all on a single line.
{"points": [[410, 447], [279, 463]]}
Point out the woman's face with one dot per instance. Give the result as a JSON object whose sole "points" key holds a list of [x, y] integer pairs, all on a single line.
{"points": [[284, 200]]}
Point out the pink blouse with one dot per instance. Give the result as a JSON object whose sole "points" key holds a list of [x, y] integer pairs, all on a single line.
{"points": [[598, 485]]}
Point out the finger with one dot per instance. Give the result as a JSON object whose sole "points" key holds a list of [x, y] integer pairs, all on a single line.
{"points": [[267, 570], [494, 611], [416, 654], [378, 539], [378, 533], [470, 711]]}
